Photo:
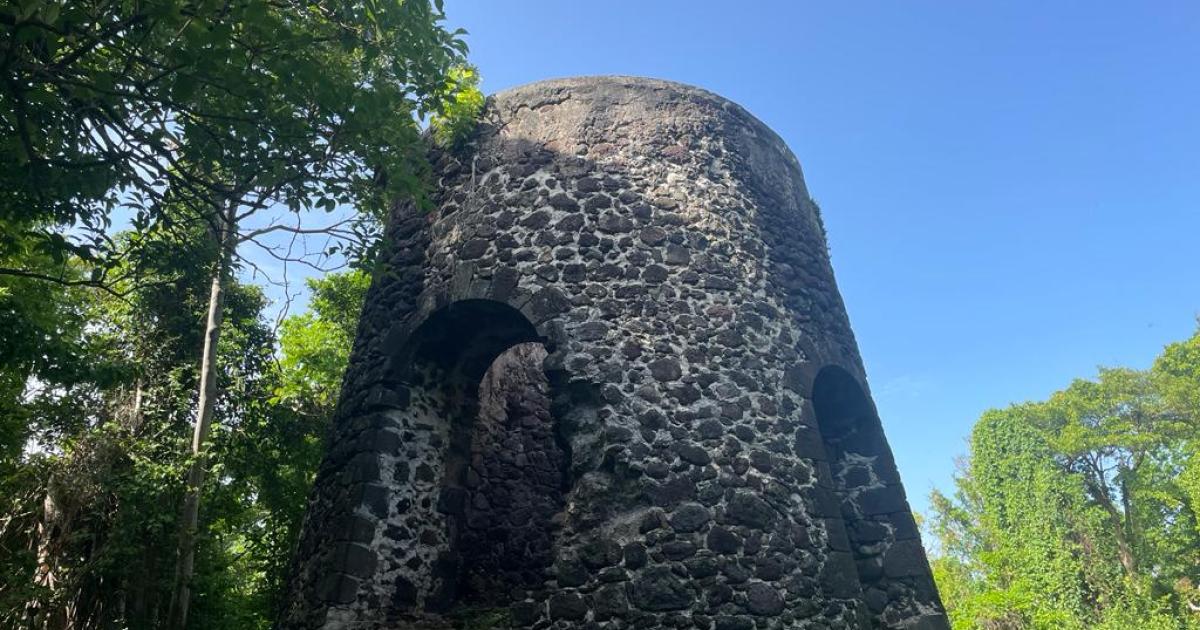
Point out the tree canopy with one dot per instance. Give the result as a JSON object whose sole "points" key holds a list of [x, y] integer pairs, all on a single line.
{"points": [[1080, 511], [159, 112]]}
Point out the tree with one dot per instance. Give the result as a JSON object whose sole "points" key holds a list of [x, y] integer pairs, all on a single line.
{"points": [[279, 447], [84, 513], [1176, 373], [108, 452], [213, 113], [240, 118], [1076, 511], [315, 346], [153, 105]]}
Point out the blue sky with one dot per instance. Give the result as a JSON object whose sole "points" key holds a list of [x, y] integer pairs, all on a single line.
{"points": [[1012, 190]]}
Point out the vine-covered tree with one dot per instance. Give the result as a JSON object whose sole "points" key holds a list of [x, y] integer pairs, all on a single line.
{"points": [[1080, 511]]}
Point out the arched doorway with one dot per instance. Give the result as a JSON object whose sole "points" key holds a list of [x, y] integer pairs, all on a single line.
{"points": [[484, 471], [881, 532]]}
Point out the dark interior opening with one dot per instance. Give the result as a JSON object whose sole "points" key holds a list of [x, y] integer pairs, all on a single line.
{"points": [[463, 339], [515, 479], [505, 467]]}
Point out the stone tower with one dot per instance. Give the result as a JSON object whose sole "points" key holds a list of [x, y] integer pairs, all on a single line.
{"points": [[607, 381]]}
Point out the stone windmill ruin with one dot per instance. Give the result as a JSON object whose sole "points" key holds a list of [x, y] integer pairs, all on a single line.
{"points": [[608, 382]]}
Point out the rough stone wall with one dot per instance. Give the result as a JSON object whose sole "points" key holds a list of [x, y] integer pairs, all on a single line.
{"points": [[660, 243]]}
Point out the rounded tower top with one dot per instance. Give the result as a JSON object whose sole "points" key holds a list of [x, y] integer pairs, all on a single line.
{"points": [[645, 111], [613, 86]]}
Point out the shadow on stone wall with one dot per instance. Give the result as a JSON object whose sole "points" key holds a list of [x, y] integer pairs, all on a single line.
{"points": [[860, 472]]}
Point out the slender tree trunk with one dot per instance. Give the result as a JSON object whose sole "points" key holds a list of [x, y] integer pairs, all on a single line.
{"points": [[1125, 551], [135, 418], [180, 599], [49, 536], [1129, 526]]}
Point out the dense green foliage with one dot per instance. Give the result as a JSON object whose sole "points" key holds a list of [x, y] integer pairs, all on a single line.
{"points": [[92, 509], [169, 110], [145, 143], [453, 127], [1080, 511]]}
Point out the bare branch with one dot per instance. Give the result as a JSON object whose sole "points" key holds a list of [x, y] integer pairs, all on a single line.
{"points": [[332, 229]]}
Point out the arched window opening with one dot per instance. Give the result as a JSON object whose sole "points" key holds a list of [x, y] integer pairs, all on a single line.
{"points": [[862, 472]]}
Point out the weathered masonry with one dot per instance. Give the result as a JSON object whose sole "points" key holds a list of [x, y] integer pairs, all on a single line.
{"points": [[607, 381]]}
